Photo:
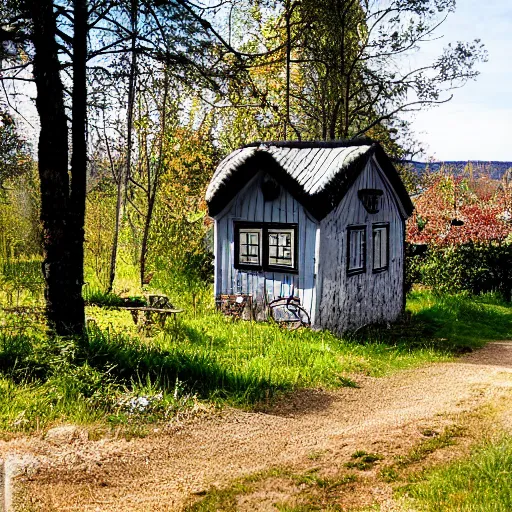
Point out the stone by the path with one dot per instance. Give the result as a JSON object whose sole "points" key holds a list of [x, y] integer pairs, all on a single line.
{"points": [[66, 434], [13, 466]]}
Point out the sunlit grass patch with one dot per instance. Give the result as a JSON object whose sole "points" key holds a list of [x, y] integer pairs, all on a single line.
{"points": [[214, 359], [480, 483], [462, 319]]}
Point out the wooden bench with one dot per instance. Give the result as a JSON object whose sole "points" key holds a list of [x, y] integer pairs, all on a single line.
{"points": [[156, 313], [150, 313]]}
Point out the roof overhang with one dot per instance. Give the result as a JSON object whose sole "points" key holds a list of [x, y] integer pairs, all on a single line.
{"points": [[317, 174]]}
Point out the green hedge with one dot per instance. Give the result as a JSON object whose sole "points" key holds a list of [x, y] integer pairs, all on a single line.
{"points": [[475, 267]]}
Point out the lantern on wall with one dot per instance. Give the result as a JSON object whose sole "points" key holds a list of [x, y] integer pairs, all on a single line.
{"points": [[270, 188]]}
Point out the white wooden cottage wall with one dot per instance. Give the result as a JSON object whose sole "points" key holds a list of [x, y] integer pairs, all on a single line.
{"points": [[348, 302], [249, 205]]}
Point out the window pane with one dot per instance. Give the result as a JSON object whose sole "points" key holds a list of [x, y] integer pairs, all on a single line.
{"points": [[249, 246], [376, 248], [280, 247], [380, 247], [356, 249]]}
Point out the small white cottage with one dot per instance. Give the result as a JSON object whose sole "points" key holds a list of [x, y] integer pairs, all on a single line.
{"points": [[324, 221]]}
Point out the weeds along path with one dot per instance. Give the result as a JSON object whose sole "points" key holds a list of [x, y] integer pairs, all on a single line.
{"points": [[169, 469]]}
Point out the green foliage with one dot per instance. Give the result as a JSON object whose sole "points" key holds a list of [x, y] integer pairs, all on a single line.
{"points": [[99, 232], [363, 460], [480, 483], [20, 230], [434, 442], [179, 254], [119, 378], [45, 381], [461, 224], [460, 320], [21, 282], [104, 299], [15, 158], [475, 267]]}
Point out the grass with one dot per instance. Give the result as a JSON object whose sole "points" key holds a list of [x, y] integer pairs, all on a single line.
{"points": [[363, 461], [308, 484], [213, 359], [461, 319], [434, 441], [481, 483]]}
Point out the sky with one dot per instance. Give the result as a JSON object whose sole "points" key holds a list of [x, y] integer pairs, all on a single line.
{"points": [[477, 123]]}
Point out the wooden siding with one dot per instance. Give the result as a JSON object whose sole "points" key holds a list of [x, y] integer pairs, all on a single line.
{"points": [[349, 302], [249, 205]]}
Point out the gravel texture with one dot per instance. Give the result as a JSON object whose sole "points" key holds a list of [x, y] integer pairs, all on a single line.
{"points": [[171, 467]]}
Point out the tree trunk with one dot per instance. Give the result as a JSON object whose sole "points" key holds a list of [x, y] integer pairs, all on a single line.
{"points": [[64, 306], [78, 161], [154, 184], [124, 177]]}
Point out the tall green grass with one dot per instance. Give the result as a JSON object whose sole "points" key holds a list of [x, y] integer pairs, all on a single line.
{"points": [[212, 358], [482, 483], [462, 319], [21, 282]]}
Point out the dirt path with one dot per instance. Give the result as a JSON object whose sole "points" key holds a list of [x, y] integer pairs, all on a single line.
{"points": [[164, 470]]}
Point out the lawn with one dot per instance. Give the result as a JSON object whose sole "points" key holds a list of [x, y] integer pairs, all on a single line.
{"points": [[480, 483], [116, 377]]}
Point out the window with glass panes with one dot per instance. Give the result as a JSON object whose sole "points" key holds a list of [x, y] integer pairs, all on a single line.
{"points": [[266, 246], [380, 236], [281, 247], [249, 246], [356, 250]]}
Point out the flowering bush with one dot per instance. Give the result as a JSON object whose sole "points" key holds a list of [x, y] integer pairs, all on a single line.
{"points": [[465, 228], [481, 217]]}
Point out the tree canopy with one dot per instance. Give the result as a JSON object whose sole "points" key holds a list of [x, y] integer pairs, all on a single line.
{"points": [[129, 81]]}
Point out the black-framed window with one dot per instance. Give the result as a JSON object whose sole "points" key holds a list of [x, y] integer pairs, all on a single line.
{"points": [[380, 236], [356, 250], [249, 247], [266, 246]]}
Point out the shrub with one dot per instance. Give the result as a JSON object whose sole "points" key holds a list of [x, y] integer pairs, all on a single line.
{"points": [[474, 266]]}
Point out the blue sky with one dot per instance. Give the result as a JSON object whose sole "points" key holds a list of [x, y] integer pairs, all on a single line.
{"points": [[477, 123]]}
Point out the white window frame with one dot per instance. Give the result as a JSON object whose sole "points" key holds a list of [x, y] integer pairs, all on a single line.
{"points": [[281, 231], [245, 231]]}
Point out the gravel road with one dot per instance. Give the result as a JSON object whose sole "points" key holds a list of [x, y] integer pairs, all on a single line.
{"points": [[165, 469]]}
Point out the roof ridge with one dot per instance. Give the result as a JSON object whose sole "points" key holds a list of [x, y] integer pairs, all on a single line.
{"points": [[339, 143], [317, 174]]}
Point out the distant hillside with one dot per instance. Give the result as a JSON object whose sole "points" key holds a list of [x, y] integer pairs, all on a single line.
{"points": [[495, 170]]}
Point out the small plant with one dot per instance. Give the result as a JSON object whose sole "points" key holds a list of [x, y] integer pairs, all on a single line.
{"points": [[389, 474], [316, 455], [430, 445], [429, 432], [359, 453], [103, 299], [363, 460]]}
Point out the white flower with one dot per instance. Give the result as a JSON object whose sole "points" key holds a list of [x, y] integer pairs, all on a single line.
{"points": [[506, 216]]}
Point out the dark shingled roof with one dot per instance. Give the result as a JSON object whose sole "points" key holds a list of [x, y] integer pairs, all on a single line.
{"points": [[317, 174]]}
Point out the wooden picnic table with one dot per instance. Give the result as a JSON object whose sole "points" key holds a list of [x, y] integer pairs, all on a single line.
{"points": [[148, 319]]}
